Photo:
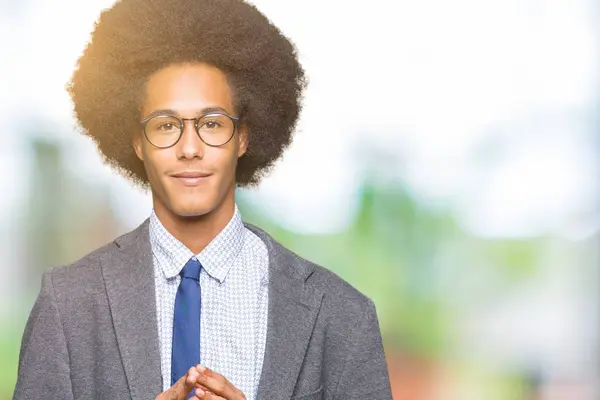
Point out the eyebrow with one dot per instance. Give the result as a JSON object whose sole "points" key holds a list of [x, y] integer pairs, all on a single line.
{"points": [[168, 111]]}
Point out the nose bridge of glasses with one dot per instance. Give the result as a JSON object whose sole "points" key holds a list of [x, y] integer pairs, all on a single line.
{"points": [[194, 120], [189, 135], [193, 125]]}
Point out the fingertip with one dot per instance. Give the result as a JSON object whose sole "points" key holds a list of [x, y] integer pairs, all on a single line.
{"points": [[191, 379]]}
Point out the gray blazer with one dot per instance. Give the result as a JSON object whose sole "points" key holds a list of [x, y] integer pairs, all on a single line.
{"points": [[92, 333]]}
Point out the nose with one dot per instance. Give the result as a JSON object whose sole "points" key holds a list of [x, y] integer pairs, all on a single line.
{"points": [[190, 144]]}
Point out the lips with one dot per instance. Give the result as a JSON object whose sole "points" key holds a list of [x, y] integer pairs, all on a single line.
{"points": [[190, 178]]}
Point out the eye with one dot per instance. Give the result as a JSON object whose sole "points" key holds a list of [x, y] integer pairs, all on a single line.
{"points": [[211, 124], [167, 126], [163, 125]]}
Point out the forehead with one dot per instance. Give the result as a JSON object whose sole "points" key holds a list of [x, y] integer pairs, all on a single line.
{"points": [[187, 89]]}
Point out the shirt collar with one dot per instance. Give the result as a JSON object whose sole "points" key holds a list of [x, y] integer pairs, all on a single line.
{"points": [[216, 258]]}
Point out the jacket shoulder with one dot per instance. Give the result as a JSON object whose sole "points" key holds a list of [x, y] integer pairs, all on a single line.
{"points": [[338, 293]]}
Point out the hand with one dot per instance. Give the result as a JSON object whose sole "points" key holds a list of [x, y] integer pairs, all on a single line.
{"points": [[181, 389], [211, 385]]}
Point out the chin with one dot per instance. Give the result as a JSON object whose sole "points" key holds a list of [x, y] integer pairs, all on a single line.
{"points": [[183, 204], [191, 211], [188, 205]]}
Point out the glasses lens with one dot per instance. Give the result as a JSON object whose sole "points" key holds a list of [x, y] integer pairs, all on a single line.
{"points": [[163, 131], [215, 129]]}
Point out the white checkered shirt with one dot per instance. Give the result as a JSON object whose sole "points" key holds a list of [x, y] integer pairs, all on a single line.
{"points": [[234, 286]]}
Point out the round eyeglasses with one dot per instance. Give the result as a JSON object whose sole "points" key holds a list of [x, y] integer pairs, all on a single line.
{"points": [[214, 129]]}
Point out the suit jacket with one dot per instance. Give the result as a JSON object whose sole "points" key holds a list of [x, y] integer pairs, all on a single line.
{"points": [[92, 333]]}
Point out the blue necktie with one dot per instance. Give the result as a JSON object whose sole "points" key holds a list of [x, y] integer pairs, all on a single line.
{"points": [[186, 322]]}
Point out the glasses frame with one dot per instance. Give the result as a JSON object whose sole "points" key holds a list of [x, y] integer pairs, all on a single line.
{"points": [[196, 120]]}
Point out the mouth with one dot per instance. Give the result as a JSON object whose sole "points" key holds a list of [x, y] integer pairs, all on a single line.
{"points": [[190, 178]]}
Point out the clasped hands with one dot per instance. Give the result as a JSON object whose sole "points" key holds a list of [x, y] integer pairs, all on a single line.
{"points": [[207, 385]]}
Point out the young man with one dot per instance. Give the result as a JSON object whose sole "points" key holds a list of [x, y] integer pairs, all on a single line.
{"points": [[191, 98]]}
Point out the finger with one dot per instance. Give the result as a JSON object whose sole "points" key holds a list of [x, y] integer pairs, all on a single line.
{"points": [[206, 395], [185, 384], [218, 384]]}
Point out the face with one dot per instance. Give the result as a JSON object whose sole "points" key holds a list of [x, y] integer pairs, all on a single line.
{"points": [[191, 178]]}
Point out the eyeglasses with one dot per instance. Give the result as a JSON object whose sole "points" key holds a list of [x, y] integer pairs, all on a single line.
{"points": [[214, 129]]}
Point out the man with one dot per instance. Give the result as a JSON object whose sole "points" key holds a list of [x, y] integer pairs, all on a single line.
{"points": [[191, 98]]}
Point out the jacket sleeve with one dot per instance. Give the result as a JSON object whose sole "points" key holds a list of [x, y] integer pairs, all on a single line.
{"points": [[44, 370], [365, 373]]}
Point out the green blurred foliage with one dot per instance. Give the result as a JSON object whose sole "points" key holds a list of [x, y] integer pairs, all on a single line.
{"points": [[10, 338]]}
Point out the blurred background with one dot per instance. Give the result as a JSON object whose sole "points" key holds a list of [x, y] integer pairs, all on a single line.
{"points": [[446, 164]]}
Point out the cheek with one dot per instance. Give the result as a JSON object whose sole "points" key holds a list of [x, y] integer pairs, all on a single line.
{"points": [[222, 159], [155, 160], [227, 165]]}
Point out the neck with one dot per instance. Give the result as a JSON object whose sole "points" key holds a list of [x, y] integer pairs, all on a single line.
{"points": [[198, 231]]}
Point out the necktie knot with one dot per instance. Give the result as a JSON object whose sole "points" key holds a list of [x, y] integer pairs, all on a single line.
{"points": [[191, 269]]}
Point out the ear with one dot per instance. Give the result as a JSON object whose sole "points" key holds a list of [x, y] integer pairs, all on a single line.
{"points": [[242, 140], [137, 145]]}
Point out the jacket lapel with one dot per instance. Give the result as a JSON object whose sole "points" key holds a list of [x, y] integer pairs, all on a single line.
{"points": [[129, 279], [293, 310]]}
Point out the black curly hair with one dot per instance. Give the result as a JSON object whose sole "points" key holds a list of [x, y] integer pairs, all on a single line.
{"points": [[136, 38]]}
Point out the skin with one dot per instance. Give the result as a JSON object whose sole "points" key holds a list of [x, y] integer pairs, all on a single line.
{"points": [[207, 385], [194, 210]]}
